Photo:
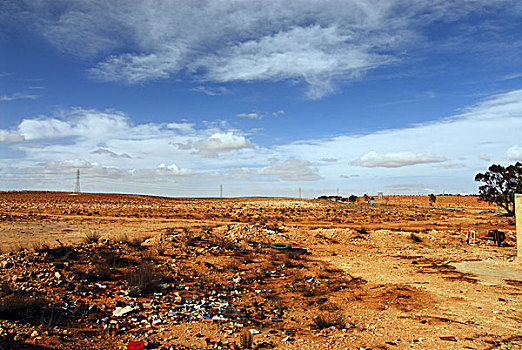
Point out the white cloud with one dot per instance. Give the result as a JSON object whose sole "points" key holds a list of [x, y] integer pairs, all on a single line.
{"points": [[173, 170], [342, 176], [6, 136], [211, 91], [412, 155], [133, 69], [182, 127], [101, 151], [317, 43], [251, 115], [33, 129], [18, 96], [373, 159], [514, 153], [303, 52], [288, 170], [109, 145], [222, 142], [67, 165]]}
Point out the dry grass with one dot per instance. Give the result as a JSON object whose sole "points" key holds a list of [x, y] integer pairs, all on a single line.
{"points": [[145, 280], [92, 236]]}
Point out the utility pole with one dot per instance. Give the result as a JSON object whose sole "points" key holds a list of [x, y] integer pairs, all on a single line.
{"points": [[77, 185], [337, 192], [299, 192], [221, 191]]}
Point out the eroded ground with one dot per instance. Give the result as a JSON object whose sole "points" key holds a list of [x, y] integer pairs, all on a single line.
{"points": [[188, 273]]}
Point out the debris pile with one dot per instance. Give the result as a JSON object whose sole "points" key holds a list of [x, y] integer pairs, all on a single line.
{"points": [[125, 291]]}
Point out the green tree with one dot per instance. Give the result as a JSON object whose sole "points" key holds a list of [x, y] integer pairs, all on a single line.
{"points": [[433, 198], [500, 185]]}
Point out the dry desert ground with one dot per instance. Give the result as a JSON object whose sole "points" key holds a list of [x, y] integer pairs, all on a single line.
{"points": [[107, 271]]}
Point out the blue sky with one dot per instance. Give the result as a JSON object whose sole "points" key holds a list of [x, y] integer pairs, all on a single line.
{"points": [[265, 97]]}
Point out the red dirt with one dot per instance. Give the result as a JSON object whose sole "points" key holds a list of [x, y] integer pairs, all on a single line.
{"points": [[200, 271]]}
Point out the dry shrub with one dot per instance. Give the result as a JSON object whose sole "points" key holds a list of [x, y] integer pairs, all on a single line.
{"points": [[329, 306], [114, 259], [246, 339], [137, 241], [294, 254], [19, 307], [362, 230], [329, 319], [145, 280], [190, 239], [161, 248], [223, 243], [123, 238], [102, 272], [92, 236], [415, 238]]}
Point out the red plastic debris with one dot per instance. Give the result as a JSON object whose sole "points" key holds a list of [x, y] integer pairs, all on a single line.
{"points": [[135, 345]]}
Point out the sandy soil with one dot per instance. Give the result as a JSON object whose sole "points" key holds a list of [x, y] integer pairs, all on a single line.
{"points": [[394, 275]]}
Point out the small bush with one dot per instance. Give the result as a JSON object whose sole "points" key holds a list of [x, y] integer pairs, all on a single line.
{"points": [[102, 272], [161, 248], [92, 236], [224, 243], [146, 279], [19, 307], [294, 254], [415, 238], [246, 339], [190, 239], [123, 239], [329, 319], [362, 230]]}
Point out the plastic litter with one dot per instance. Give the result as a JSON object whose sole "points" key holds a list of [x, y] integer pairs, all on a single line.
{"points": [[135, 345], [122, 311]]}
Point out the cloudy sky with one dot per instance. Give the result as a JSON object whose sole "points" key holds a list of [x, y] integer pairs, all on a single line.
{"points": [[264, 97]]}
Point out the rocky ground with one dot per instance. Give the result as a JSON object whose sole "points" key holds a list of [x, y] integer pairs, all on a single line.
{"points": [[103, 271]]}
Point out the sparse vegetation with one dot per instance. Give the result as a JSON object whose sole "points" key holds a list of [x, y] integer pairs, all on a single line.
{"points": [[246, 339], [190, 239], [92, 236], [362, 230], [136, 241], [329, 319], [234, 275], [415, 238], [145, 280], [161, 248]]}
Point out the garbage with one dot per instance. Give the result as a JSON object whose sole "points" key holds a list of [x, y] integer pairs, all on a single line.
{"points": [[135, 345], [450, 338], [122, 311], [280, 246]]}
